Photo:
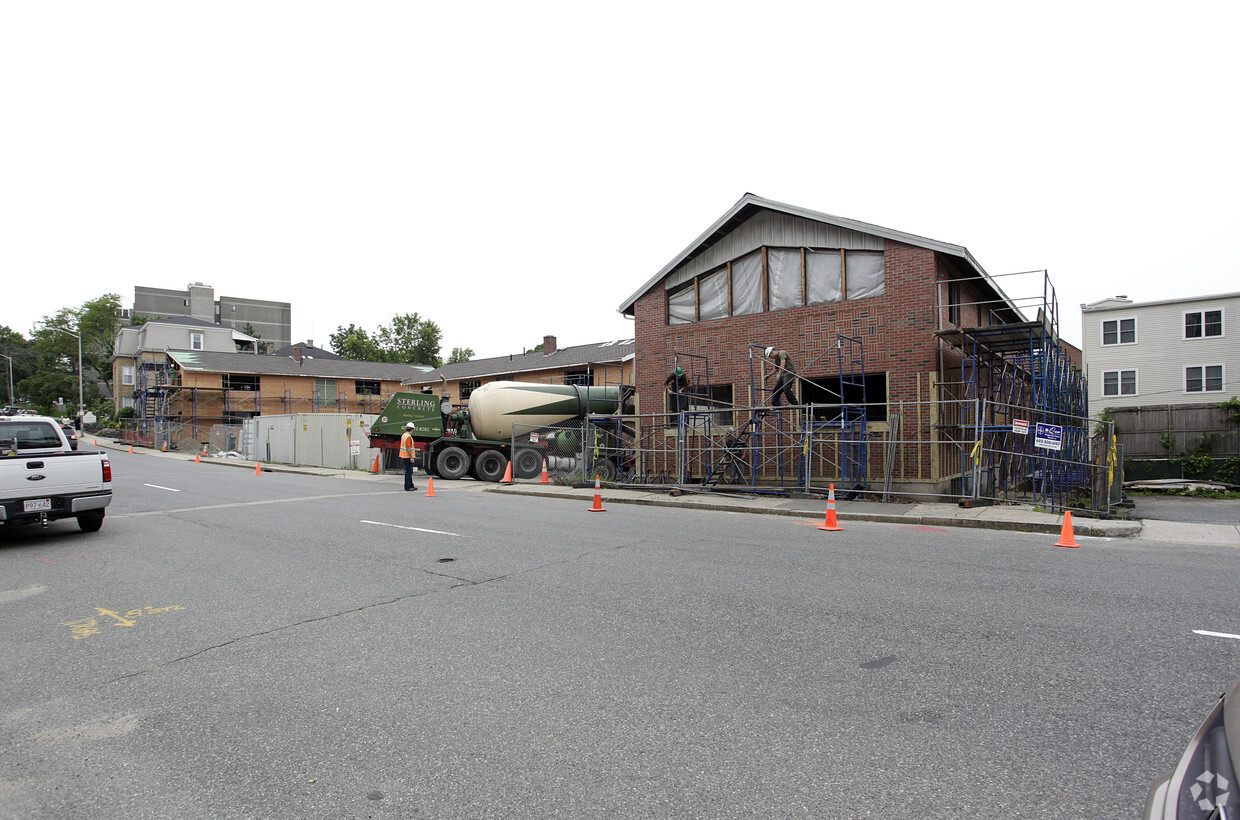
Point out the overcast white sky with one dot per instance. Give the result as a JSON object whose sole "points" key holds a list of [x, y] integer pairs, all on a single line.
{"points": [[511, 170]]}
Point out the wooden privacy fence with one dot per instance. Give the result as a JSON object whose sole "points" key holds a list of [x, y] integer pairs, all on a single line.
{"points": [[1159, 431]]}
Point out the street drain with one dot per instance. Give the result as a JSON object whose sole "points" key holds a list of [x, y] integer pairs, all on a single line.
{"points": [[446, 560]]}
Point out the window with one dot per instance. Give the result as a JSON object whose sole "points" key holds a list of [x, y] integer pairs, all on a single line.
{"points": [[830, 392], [126, 374], [1119, 332], [240, 381], [1119, 382], [582, 377], [127, 402], [469, 387], [776, 279], [366, 387], [324, 392], [1203, 323], [1207, 379], [195, 341]]}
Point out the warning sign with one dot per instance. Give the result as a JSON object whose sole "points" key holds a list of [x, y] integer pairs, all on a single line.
{"points": [[1020, 427]]}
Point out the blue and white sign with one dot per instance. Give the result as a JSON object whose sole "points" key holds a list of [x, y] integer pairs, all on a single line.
{"points": [[1048, 437]]}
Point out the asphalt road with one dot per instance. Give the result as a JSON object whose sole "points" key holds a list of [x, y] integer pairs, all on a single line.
{"points": [[235, 646]]}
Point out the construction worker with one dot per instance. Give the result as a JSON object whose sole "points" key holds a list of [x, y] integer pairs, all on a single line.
{"points": [[406, 452], [786, 376], [677, 386]]}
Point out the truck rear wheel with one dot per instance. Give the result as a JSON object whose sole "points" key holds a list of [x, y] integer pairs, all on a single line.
{"points": [[90, 521], [604, 469], [452, 462], [527, 463], [490, 465]]}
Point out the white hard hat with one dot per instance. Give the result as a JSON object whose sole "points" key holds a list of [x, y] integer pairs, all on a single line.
{"points": [[409, 425], [769, 351]]}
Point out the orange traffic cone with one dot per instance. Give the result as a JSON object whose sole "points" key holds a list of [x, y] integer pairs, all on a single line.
{"points": [[165, 447], [598, 497], [131, 449], [830, 524], [507, 479], [1066, 538], [96, 442], [430, 487], [258, 468], [197, 460], [544, 479], [375, 468]]}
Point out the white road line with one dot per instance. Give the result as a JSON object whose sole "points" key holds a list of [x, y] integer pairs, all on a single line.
{"points": [[415, 529], [156, 486], [1216, 634], [297, 500]]}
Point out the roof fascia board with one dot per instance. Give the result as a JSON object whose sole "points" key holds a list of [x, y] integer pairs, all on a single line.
{"points": [[1178, 301]]}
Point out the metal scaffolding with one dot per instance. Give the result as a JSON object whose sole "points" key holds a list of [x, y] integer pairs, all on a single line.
{"points": [[1022, 404]]}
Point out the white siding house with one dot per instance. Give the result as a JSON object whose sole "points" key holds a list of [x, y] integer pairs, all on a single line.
{"points": [[1175, 351]]}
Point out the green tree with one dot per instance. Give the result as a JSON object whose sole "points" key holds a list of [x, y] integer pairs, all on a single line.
{"points": [[54, 354], [460, 355], [263, 347], [409, 339], [354, 343], [16, 346]]}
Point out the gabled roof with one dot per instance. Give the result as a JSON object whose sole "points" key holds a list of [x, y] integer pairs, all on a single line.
{"points": [[750, 204], [206, 362], [578, 356]]}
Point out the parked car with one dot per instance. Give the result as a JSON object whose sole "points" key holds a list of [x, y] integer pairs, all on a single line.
{"points": [[1202, 786], [70, 434]]}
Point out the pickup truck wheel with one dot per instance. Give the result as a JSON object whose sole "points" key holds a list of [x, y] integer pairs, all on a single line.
{"points": [[527, 463], [90, 521], [452, 462], [490, 465]]}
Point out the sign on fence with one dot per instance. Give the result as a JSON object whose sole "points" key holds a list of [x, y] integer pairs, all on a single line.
{"points": [[1020, 427], [1048, 437]]}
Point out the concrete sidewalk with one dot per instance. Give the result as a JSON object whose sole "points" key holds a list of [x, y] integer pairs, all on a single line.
{"points": [[1021, 518]]}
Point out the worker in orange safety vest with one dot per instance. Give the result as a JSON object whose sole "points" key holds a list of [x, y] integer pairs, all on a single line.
{"points": [[406, 452]]}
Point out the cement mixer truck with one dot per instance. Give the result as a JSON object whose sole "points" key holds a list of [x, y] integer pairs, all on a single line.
{"points": [[478, 439]]}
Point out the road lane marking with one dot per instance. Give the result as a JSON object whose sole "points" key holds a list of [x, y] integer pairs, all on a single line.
{"points": [[1217, 634], [415, 529], [156, 486], [248, 504]]}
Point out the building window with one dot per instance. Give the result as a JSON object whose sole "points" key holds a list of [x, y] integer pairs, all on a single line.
{"points": [[582, 377], [324, 392], [126, 374], [1119, 332], [469, 387], [1203, 323], [366, 387], [240, 381], [1119, 383], [127, 402], [1205, 379], [195, 341], [770, 279]]}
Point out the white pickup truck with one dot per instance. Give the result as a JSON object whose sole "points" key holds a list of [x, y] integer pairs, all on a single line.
{"points": [[42, 479]]}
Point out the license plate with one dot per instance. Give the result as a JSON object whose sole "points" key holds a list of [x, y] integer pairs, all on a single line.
{"points": [[37, 505]]}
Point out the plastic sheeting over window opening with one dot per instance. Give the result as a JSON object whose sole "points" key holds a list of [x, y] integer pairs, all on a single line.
{"points": [[822, 277], [865, 274], [713, 296], [681, 307], [784, 277], [747, 284]]}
